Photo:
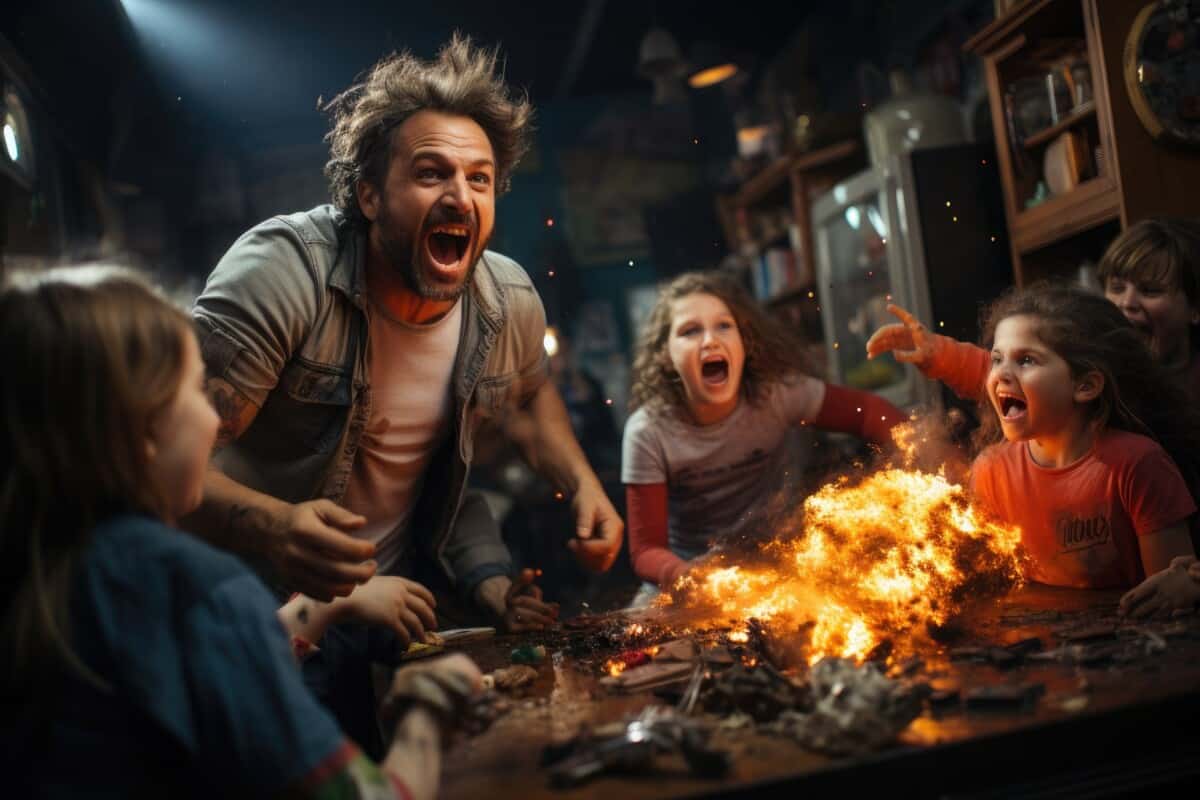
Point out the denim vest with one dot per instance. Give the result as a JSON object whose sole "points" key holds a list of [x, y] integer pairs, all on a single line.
{"points": [[283, 318]]}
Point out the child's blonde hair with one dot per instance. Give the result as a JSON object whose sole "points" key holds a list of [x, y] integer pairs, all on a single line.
{"points": [[772, 351], [92, 354]]}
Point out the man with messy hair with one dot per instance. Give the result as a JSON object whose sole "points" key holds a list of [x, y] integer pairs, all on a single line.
{"points": [[355, 350]]}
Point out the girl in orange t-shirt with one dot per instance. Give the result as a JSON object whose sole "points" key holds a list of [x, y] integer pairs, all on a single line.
{"points": [[1100, 444]]}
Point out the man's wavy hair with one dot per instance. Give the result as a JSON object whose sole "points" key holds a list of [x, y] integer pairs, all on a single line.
{"points": [[462, 80], [1091, 334], [772, 351]]}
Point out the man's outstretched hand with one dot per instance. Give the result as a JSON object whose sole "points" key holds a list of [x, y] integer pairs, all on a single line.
{"points": [[524, 609], [598, 528]]}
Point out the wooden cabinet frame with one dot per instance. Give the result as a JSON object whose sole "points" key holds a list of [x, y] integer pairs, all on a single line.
{"points": [[1137, 177]]}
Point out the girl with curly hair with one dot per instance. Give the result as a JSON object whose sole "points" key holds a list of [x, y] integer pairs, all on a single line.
{"points": [[717, 385], [1091, 443]]}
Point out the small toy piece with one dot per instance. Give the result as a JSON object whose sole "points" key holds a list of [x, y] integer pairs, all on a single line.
{"points": [[528, 654]]}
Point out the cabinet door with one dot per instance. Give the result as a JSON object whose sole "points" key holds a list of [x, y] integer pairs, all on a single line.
{"points": [[857, 266], [910, 279]]}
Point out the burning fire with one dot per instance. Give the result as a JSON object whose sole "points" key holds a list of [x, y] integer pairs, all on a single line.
{"points": [[630, 658], [881, 558]]}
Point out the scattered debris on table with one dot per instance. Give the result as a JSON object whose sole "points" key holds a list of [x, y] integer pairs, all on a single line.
{"points": [[633, 746], [1004, 696], [710, 682], [528, 654], [760, 692], [854, 709], [511, 678], [456, 636]]}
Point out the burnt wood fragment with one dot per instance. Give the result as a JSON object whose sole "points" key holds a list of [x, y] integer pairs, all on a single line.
{"points": [[968, 654], [1003, 658], [1004, 696], [1025, 647], [940, 698], [1099, 630], [760, 691]]}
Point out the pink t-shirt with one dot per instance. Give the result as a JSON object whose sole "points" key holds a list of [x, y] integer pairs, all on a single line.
{"points": [[1080, 523]]}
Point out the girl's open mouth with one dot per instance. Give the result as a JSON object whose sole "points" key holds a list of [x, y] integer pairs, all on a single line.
{"points": [[1011, 407], [447, 244], [715, 371]]}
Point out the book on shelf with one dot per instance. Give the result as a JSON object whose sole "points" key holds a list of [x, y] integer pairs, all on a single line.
{"points": [[773, 271]]}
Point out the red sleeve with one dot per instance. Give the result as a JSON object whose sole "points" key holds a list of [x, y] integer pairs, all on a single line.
{"points": [[646, 520], [348, 773], [865, 415], [961, 366]]}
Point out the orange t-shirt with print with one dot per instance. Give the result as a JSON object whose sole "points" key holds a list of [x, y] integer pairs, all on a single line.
{"points": [[1080, 523]]}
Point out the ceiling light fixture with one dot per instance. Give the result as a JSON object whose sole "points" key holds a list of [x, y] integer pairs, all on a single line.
{"points": [[710, 66], [661, 61], [16, 149]]}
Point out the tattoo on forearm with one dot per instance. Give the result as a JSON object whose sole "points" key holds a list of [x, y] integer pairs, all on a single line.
{"points": [[230, 406], [237, 518], [248, 521], [250, 530]]}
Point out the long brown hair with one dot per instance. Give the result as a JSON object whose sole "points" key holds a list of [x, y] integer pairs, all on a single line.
{"points": [[1091, 334], [462, 80], [93, 354], [772, 351]]}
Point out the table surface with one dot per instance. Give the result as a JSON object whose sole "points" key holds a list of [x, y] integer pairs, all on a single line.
{"points": [[504, 760]]}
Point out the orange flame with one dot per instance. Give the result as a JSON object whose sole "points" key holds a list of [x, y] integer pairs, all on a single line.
{"points": [[879, 558]]}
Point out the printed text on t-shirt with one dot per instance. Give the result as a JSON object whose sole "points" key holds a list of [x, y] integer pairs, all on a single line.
{"points": [[1081, 533]]}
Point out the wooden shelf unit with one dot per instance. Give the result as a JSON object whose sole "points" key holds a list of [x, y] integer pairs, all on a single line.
{"points": [[1133, 177], [1084, 112], [791, 181], [1088, 205]]}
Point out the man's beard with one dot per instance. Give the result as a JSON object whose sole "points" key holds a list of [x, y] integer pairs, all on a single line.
{"points": [[402, 257]]}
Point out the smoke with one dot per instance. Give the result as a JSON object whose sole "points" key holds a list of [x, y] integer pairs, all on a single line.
{"points": [[928, 442]]}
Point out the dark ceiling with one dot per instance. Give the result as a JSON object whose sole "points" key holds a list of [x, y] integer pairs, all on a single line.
{"points": [[254, 69]]}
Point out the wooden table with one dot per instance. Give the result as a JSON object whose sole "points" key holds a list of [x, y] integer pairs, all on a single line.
{"points": [[1140, 717]]}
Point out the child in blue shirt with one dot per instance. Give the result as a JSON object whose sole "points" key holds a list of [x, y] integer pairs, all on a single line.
{"points": [[140, 660]]}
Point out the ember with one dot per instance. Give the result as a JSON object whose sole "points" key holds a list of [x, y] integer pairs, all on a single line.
{"points": [[627, 659], [893, 555]]}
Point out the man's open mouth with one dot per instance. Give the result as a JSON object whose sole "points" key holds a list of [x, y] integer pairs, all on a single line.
{"points": [[714, 370], [1011, 407], [447, 244]]}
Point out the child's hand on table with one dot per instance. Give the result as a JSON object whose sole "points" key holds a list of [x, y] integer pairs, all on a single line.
{"points": [[393, 602], [1177, 586]]}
